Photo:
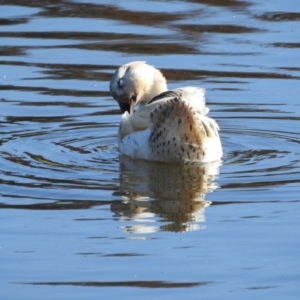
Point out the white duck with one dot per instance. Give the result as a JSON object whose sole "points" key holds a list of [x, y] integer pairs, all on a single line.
{"points": [[168, 126]]}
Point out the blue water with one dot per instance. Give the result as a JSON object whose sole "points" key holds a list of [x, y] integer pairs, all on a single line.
{"points": [[79, 221]]}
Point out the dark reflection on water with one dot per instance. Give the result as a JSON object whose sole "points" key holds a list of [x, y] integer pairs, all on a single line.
{"points": [[223, 28], [138, 48], [47, 91], [280, 16], [86, 10], [73, 35], [13, 51], [138, 284], [58, 205], [287, 45], [76, 216], [14, 21]]}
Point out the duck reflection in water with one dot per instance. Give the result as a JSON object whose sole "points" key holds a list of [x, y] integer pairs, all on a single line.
{"points": [[173, 192]]}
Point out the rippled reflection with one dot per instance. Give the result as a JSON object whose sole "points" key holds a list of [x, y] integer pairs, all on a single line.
{"points": [[175, 193]]}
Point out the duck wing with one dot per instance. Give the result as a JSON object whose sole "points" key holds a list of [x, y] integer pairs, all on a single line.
{"points": [[179, 129], [139, 120], [168, 94]]}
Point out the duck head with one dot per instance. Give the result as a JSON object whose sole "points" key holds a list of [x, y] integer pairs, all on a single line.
{"points": [[136, 83]]}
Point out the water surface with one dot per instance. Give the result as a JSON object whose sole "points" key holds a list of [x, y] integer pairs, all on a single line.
{"points": [[81, 222]]}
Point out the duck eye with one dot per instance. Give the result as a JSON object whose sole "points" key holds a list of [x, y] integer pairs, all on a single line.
{"points": [[120, 83]]}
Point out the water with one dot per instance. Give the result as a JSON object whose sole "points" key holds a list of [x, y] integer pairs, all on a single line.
{"points": [[80, 222]]}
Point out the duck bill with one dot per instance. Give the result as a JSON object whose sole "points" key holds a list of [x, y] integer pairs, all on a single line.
{"points": [[126, 106]]}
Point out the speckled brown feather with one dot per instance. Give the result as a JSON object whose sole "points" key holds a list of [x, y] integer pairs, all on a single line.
{"points": [[178, 133]]}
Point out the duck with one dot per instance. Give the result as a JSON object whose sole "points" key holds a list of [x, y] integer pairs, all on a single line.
{"points": [[162, 125]]}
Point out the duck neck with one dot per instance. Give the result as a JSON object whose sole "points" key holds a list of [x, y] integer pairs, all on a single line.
{"points": [[155, 87]]}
